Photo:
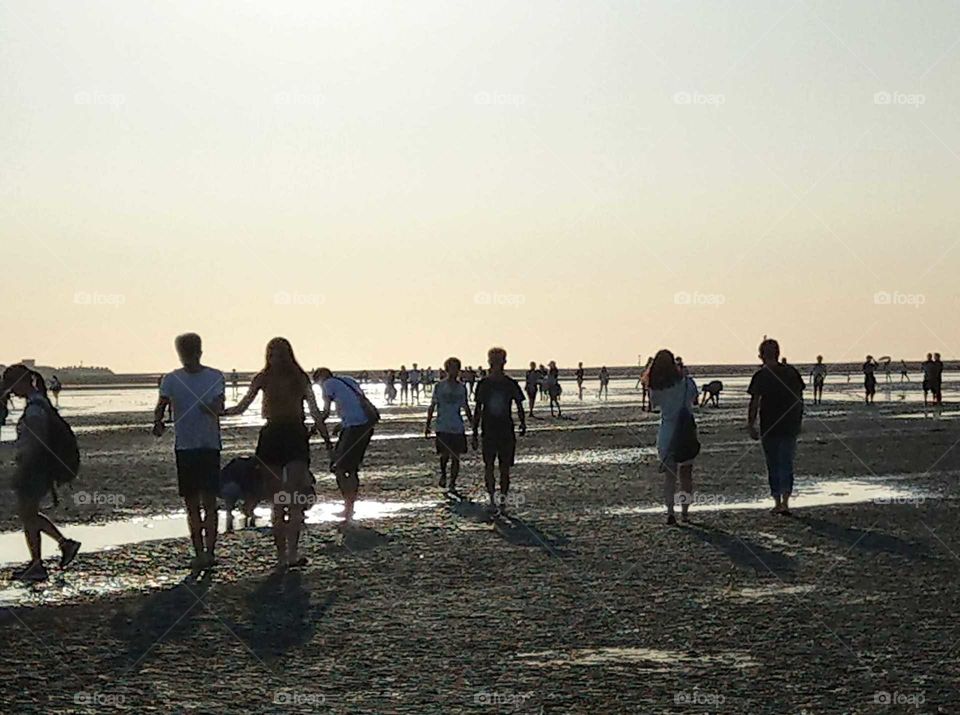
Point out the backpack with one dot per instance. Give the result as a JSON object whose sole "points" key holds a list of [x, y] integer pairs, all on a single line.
{"points": [[64, 462], [685, 443]]}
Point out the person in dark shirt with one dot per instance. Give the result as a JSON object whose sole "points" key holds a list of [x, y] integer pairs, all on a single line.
{"points": [[776, 395], [869, 379], [495, 398], [936, 379]]}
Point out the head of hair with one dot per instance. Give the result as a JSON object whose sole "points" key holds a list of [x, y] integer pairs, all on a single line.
{"points": [[769, 350], [324, 373], [19, 379], [819, 358], [280, 360], [663, 371], [189, 346], [451, 365], [497, 357]]}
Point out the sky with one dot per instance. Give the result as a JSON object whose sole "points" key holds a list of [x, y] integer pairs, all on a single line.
{"points": [[390, 182]]}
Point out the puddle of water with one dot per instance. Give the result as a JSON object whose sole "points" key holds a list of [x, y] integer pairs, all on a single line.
{"points": [[824, 493], [650, 658], [112, 535], [77, 585], [626, 455], [761, 593]]}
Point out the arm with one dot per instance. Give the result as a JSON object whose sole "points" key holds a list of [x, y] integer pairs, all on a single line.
{"points": [[214, 406], [426, 430], [521, 413], [315, 413], [322, 421], [158, 424], [477, 415], [752, 411], [466, 408], [238, 409], [32, 444]]}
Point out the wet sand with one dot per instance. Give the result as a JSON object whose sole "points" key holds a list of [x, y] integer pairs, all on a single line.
{"points": [[581, 601]]}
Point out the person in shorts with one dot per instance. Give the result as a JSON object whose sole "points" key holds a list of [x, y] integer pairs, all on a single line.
{"points": [[195, 393], [495, 397], [33, 477], [869, 379], [531, 385], [449, 401], [819, 374], [356, 430]]}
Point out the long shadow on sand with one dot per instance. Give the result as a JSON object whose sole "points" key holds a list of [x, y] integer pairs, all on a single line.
{"points": [[867, 540], [164, 615], [355, 539], [282, 615], [470, 510], [744, 553], [523, 533]]}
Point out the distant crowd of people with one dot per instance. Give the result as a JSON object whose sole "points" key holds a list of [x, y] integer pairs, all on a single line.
{"points": [[194, 396]]}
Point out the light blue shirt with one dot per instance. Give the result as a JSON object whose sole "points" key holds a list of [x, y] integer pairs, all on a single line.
{"points": [[195, 427], [450, 399], [343, 392]]}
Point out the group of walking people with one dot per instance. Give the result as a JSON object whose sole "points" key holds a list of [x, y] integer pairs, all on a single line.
{"points": [[194, 395]]}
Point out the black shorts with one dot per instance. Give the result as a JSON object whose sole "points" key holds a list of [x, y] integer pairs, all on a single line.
{"points": [[454, 443], [283, 442], [870, 384], [198, 472], [499, 446], [351, 447]]}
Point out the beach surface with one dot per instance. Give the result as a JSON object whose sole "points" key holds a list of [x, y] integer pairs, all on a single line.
{"points": [[582, 600]]}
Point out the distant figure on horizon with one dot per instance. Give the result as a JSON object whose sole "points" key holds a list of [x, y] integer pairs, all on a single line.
{"points": [[416, 376], [818, 373], [926, 367], [358, 418], [404, 377], [936, 380], [711, 393], [449, 399], [604, 377], [470, 378], [531, 384], [553, 387], [542, 383], [579, 377], [33, 476], [904, 373], [496, 396], [55, 387], [676, 396], [390, 387], [283, 446], [683, 368], [235, 382], [776, 395], [644, 383], [195, 393], [869, 379]]}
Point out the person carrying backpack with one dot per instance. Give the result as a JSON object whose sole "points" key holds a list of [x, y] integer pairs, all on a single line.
{"points": [[677, 443], [46, 455]]}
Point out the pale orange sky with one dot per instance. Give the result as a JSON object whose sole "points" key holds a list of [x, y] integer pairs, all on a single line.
{"points": [[397, 182]]}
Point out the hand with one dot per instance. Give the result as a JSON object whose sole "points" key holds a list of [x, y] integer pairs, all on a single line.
{"points": [[752, 430], [158, 428]]}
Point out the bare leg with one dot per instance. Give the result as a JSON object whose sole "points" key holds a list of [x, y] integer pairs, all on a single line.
{"points": [[686, 489], [490, 480], [280, 532], [193, 523], [210, 515]]}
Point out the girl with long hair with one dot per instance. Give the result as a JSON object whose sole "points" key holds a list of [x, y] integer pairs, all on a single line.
{"points": [[283, 448], [673, 393]]}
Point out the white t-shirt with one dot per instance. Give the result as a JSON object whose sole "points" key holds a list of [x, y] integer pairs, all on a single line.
{"points": [[195, 427], [450, 399], [672, 401]]}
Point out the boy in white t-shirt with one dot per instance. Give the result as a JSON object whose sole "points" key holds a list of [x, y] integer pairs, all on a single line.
{"points": [[450, 402], [196, 393]]}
